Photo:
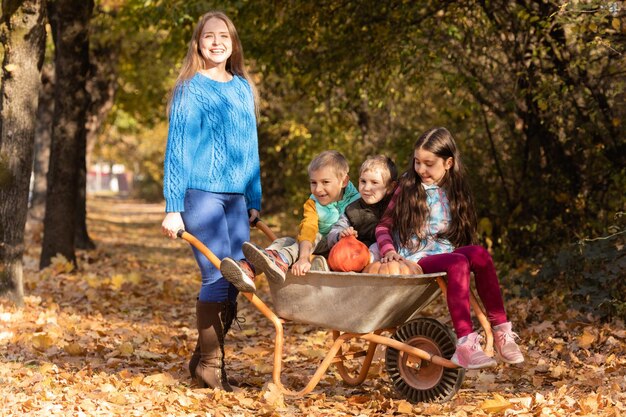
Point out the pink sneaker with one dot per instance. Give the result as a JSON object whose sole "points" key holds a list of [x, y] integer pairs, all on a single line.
{"points": [[470, 355], [504, 343]]}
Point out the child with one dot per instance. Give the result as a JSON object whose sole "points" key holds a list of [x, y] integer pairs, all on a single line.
{"points": [[331, 192], [212, 181], [378, 177], [432, 220]]}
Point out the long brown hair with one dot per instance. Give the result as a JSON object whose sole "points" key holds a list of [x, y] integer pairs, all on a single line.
{"points": [[194, 61], [411, 212]]}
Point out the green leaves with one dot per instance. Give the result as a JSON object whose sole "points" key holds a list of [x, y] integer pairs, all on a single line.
{"points": [[531, 91]]}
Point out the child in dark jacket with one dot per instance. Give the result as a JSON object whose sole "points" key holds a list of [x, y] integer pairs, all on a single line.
{"points": [[378, 177]]}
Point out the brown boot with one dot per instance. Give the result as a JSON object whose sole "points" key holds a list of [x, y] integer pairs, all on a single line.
{"points": [[229, 316], [210, 369], [195, 358]]}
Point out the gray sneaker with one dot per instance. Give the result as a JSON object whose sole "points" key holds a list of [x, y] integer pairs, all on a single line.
{"points": [[240, 274], [319, 263], [267, 261]]}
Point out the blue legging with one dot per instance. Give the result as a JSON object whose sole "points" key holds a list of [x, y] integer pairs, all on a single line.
{"points": [[220, 221]]}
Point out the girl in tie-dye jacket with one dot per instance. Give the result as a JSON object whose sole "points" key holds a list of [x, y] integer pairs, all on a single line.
{"points": [[431, 220]]}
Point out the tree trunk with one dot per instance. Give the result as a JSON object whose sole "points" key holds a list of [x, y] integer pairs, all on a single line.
{"points": [[43, 131], [101, 86], [82, 239], [70, 23], [23, 37]]}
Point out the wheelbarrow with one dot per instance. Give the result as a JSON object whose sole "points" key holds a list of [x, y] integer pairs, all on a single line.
{"points": [[381, 310]]}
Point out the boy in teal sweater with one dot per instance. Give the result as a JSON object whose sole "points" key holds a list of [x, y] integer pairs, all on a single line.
{"points": [[331, 193]]}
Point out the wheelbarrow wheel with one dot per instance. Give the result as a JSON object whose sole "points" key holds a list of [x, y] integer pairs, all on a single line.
{"points": [[419, 380]]}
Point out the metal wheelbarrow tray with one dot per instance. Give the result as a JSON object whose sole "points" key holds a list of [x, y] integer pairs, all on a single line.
{"points": [[353, 302]]}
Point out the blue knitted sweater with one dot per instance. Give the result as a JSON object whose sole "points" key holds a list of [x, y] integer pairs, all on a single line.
{"points": [[212, 142]]}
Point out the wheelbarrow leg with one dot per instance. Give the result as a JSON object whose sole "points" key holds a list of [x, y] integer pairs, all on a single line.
{"points": [[367, 361], [278, 350]]}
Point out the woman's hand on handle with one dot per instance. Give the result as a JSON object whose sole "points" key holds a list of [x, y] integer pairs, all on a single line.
{"points": [[253, 215], [172, 223]]}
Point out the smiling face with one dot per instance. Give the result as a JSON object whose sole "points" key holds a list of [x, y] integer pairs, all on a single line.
{"points": [[373, 186], [430, 167], [215, 42], [326, 185]]}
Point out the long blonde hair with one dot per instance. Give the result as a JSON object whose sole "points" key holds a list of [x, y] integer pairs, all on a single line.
{"points": [[194, 61]]}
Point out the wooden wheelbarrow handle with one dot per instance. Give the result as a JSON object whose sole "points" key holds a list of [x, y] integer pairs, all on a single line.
{"points": [[200, 246], [264, 228]]}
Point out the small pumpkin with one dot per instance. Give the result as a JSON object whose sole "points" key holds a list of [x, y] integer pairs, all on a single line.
{"points": [[349, 254], [403, 267]]}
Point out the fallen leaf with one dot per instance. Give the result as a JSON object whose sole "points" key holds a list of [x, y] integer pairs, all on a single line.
{"points": [[74, 349], [525, 402], [117, 281], [499, 403], [184, 401], [405, 407], [144, 354], [273, 396], [160, 379], [59, 265], [254, 351], [126, 349], [586, 339], [42, 341]]}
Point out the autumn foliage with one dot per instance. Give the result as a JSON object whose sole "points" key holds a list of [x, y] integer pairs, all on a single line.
{"points": [[114, 337]]}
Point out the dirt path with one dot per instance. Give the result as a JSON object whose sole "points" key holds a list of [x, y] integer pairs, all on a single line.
{"points": [[114, 338]]}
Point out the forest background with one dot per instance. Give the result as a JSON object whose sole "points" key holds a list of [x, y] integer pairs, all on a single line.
{"points": [[533, 91]]}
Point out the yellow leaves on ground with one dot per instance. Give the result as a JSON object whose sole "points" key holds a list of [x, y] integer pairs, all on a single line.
{"points": [[42, 341], [60, 265], [74, 349], [249, 332], [126, 349], [495, 405], [273, 396], [160, 379], [405, 407], [587, 338], [118, 280], [115, 282], [114, 339]]}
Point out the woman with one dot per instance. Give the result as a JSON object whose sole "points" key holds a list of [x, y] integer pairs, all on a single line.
{"points": [[212, 183]]}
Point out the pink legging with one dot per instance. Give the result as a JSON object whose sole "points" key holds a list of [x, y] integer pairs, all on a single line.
{"points": [[458, 266]]}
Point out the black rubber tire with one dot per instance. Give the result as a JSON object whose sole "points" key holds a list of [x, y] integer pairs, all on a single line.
{"points": [[429, 383]]}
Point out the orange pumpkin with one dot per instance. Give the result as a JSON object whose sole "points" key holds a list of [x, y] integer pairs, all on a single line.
{"points": [[403, 267], [349, 254]]}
